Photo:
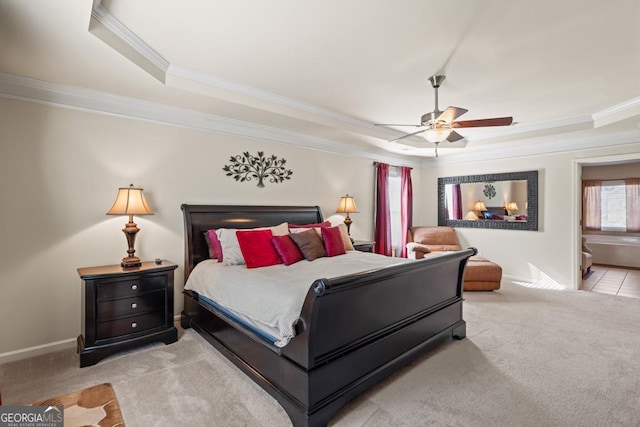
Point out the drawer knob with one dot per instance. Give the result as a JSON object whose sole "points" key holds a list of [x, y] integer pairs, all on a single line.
{"points": [[134, 305], [134, 325], [134, 286]]}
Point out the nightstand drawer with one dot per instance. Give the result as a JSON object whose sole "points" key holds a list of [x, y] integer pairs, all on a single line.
{"points": [[129, 287], [129, 325], [130, 306], [124, 308]]}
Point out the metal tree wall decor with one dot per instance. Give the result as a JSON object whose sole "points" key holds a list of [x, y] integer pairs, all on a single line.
{"points": [[245, 167], [489, 191]]}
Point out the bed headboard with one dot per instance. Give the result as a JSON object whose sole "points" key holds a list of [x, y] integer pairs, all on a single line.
{"points": [[200, 218]]}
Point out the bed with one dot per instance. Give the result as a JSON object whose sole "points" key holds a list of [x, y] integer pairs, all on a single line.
{"points": [[352, 331]]}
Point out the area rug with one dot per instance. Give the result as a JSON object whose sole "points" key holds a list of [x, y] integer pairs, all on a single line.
{"points": [[93, 406]]}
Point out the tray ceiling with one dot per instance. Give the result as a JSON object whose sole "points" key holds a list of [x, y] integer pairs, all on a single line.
{"points": [[330, 70]]}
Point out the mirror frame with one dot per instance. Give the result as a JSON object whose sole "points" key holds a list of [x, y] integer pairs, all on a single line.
{"points": [[532, 201]]}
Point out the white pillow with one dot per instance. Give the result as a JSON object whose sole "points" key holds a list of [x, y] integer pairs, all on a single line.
{"points": [[335, 220], [348, 246], [231, 253]]}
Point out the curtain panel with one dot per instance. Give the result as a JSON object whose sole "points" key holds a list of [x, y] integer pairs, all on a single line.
{"points": [[632, 189], [382, 231], [591, 205], [406, 207]]}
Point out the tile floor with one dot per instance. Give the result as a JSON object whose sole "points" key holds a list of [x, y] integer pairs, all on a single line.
{"points": [[613, 280]]}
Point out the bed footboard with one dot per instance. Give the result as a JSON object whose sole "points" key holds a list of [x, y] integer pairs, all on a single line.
{"points": [[353, 332]]}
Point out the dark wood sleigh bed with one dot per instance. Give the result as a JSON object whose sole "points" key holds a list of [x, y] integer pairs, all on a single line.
{"points": [[353, 331]]}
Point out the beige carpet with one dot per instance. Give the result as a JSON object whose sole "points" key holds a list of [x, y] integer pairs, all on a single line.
{"points": [[531, 358]]}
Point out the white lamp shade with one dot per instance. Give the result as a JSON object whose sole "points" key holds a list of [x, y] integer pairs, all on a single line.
{"points": [[347, 205], [479, 206], [130, 201]]}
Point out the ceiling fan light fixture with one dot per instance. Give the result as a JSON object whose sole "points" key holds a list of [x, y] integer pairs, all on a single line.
{"points": [[437, 135]]}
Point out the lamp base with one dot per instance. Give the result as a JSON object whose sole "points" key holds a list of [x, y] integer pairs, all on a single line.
{"points": [[130, 262]]}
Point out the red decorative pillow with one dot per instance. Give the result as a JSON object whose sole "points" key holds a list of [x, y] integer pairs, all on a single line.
{"points": [[287, 249], [257, 249], [215, 247], [332, 239], [319, 224]]}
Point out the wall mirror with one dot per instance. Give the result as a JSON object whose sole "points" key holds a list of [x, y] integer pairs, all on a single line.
{"points": [[501, 200]]}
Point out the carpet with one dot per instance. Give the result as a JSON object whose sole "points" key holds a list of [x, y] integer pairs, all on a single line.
{"points": [[532, 357], [93, 406]]}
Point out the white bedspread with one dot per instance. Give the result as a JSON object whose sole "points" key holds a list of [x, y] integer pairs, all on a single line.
{"points": [[271, 298]]}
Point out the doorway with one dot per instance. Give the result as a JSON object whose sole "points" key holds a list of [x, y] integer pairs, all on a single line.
{"points": [[607, 167]]}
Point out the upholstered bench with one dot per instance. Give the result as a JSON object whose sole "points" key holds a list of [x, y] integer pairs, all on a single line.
{"points": [[480, 274]]}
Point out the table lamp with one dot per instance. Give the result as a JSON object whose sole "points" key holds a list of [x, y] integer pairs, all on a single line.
{"points": [[480, 208], [347, 205], [512, 207], [130, 201]]}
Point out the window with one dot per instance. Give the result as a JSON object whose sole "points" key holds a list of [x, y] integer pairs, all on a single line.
{"points": [[612, 205]]}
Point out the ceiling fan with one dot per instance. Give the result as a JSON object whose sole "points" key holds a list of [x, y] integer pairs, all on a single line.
{"points": [[439, 125]]}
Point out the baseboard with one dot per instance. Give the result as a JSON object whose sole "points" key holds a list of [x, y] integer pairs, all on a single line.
{"points": [[25, 353], [544, 283], [38, 350]]}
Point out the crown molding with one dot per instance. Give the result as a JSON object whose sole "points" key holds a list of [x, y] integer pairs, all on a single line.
{"points": [[33, 90], [120, 38], [616, 113], [537, 148], [535, 130], [202, 83]]}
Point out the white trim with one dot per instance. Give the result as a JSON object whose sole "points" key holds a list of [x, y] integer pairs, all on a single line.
{"points": [[577, 202], [535, 148], [25, 353], [119, 37], [32, 90], [528, 283], [616, 113], [576, 229], [39, 350], [114, 33], [303, 109]]}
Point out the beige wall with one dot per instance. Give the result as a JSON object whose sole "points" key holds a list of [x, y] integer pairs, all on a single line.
{"points": [[61, 169], [613, 171], [60, 173], [547, 257]]}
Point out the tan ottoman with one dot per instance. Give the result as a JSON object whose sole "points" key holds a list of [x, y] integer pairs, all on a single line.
{"points": [[482, 275]]}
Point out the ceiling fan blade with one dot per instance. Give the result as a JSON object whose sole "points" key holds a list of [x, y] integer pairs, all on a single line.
{"points": [[451, 113], [497, 121], [454, 136], [395, 124], [408, 135]]}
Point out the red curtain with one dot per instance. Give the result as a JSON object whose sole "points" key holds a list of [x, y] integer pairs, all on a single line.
{"points": [[382, 232], [406, 207], [457, 202]]}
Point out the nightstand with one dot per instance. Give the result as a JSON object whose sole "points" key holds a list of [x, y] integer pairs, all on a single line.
{"points": [[123, 308], [363, 245]]}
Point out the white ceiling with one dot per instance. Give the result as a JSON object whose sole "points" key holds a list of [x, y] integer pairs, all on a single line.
{"points": [[330, 70]]}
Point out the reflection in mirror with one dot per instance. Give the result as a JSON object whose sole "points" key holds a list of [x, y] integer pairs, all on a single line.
{"points": [[492, 200], [507, 201]]}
